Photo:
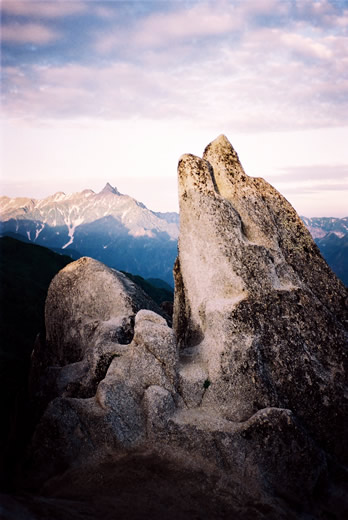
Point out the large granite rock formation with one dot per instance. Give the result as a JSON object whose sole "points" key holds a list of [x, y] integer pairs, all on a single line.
{"points": [[249, 388], [257, 307]]}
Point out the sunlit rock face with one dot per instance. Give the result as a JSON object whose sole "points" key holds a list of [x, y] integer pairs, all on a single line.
{"points": [[257, 309]]}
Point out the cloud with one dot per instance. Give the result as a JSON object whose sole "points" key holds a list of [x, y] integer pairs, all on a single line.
{"points": [[316, 181], [35, 33], [305, 46], [231, 64], [119, 90], [50, 9], [313, 188], [200, 21], [322, 13], [238, 89], [104, 11], [224, 18], [189, 24], [319, 172], [177, 26], [260, 10]]}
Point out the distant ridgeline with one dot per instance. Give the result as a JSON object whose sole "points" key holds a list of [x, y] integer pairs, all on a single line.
{"points": [[122, 233], [108, 226], [25, 273], [331, 236]]}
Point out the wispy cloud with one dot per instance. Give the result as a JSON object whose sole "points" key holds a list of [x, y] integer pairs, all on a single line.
{"points": [[239, 88], [48, 9], [322, 13], [321, 180], [35, 33], [314, 188], [104, 11], [256, 65], [314, 173], [188, 24], [178, 26]]}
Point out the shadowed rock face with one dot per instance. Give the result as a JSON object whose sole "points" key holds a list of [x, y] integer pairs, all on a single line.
{"points": [[256, 306], [104, 348], [248, 389], [89, 315]]}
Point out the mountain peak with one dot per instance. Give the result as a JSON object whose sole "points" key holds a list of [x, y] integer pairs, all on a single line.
{"points": [[109, 189]]}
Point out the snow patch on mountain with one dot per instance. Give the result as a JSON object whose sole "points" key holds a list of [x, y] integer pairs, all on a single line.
{"points": [[72, 225], [319, 227], [73, 209], [38, 231]]}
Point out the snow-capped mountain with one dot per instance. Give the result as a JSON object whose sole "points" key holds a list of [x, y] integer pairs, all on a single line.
{"points": [[321, 226], [109, 226], [74, 209]]}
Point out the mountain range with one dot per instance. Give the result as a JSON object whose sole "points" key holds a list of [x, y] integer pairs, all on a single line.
{"points": [[124, 234], [108, 226], [319, 227], [331, 236]]}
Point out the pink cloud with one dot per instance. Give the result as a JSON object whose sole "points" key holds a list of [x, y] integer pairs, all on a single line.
{"points": [[28, 33], [240, 88], [200, 20], [104, 12], [182, 25], [320, 9], [292, 45], [322, 14], [46, 9], [165, 29], [264, 7], [266, 78], [306, 46]]}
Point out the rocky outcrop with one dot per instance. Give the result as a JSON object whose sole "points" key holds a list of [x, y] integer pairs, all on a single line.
{"points": [[257, 308], [105, 347], [89, 314], [248, 385]]}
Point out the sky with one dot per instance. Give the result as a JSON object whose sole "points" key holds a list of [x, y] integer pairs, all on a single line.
{"points": [[116, 91]]}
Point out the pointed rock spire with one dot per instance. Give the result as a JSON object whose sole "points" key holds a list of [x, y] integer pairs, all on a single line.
{"points": [[255, 303], [109, 189], [221, 155]]}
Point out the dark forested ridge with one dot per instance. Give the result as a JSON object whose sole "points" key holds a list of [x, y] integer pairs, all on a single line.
{"points": [[25, 274]]}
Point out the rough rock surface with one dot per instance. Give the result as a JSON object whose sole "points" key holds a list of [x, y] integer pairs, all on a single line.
{"points": [[256, 307], [248, 390], [104, 349], [89, 314]]}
